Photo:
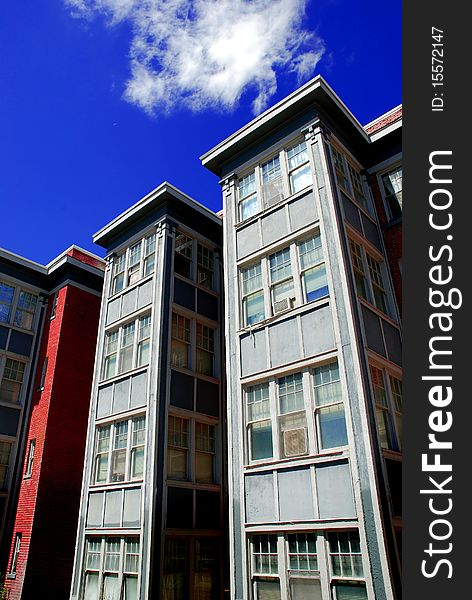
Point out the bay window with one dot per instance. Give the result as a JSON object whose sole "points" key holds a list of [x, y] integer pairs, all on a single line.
{"points": [[177, 448], [180, 343], [204, 452], [204, 266], [380, 297], [205, 350], [119, 450], [387, 394], [183, 255], [359, 271]]}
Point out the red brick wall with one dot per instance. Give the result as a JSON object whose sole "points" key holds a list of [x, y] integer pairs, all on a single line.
{"points": [[48, 502], [86, 258], [393, 239]]}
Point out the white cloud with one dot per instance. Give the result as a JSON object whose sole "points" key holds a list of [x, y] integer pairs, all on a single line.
{"points": [[201, 53]]}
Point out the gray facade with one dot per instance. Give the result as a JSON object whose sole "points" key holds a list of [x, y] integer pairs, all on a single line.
{"points": [[151, 518], [313, 356]]}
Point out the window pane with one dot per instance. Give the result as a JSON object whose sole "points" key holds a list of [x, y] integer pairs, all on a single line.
{"points": [[254, 306], [316, 283], [268, 590], [249, 207], [203, 467], [179, 354], [311, 252], [131, 588], [247, 185], [382, 426], [280, 267], [261, 440], [305, 589], [257, 398], [297, 155], [176, 570], [345, 591], [204, 362], [332, 426], [252, 278], [91, 586], [300, 179], [290, 390], [6, 299], [110, 587]]}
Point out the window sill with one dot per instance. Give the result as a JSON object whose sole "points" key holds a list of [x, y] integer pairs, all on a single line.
{"points": [[11, 576], [265, 211], [334, 454], [96, 487]]}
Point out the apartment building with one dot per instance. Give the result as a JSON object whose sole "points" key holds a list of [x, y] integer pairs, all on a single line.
{"points": [[152, 513], [48, 328], [313, 351]]}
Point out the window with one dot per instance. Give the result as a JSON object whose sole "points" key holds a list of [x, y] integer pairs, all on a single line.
{"points": [[380, 297], [392, 188], [205, 350], [357, 187], [345, 554], [388, 407], [269, 181], [119, 450], [313, 269], [248, 202], [253, 294], [299, 168], [302, 553], [119, 273], [340, 169], [180, 344], [43, 374], [292, 417], [16, 553], [19, 303], [134, 263], [111, 564], [204, 266], [5, 450], [329, 409], [10, 385], [124, 350], [264, 554], [271, 174], [177, 448], [359, 272], [204, 452], [30, 458], [183, 255], [259, 422], [182, 451], [287, 421], [6, 301], [281, 280], [55, 299], [144, 338]]}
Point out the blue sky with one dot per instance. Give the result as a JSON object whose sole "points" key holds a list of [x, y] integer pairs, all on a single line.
{"points": [[102, 100]]}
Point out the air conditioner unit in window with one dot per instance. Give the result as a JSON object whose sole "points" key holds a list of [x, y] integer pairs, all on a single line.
{"points": [[283, 304], [295, 442]]}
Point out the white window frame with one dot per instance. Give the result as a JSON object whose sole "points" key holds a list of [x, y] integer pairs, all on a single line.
{"points": [[119, 335], [16, 553], [130, 448], [122, 261], [101, 571], [284, 191], [192, 342]]}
